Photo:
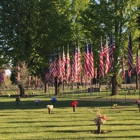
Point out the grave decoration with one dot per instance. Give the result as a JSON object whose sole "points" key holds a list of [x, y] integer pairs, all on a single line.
{"points": [[74, 104], [99, 120], [50, 107], [138, 103], [37, 102], [18, 100], [54, 100]]}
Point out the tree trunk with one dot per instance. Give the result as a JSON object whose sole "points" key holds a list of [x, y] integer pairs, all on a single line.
{"points": [[46, 87], [78, 85], [21, 89], [114, 85], [56, 85], [72, 86], [63, 86]]}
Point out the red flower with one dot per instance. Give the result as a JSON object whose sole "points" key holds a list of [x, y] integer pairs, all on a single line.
{"points": [[74, 103], [138, 101]]}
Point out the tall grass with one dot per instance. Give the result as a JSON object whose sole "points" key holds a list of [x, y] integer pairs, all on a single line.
{"points": [[28, 121]]}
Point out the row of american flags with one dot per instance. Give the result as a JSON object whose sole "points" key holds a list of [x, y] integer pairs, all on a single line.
{"points": [[75, 71]]}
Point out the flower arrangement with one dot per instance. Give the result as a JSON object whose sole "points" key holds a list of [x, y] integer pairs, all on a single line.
{"points": [[37, 102], [99, 120], [53, 99], [115, 105], [74, 104], [8, 95], [49, 108], [18, 99], [138, 101]]}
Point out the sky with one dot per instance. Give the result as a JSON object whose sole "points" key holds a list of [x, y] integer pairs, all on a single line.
{"points": [[8, 72]]}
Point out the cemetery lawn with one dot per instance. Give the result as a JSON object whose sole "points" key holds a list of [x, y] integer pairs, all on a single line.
{"points": [[28, 121]]}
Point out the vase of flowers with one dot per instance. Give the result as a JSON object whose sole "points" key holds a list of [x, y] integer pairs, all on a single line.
{"points": [[18, 99], [50, 107], [74, 104], [138, 103], [115, 105], [99, 120], [37, 102], [53, 100]]}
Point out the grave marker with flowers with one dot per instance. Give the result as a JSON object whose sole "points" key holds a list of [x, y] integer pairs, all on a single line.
{"points": [[74, 104], [50, 107], [99, 120], [18, 99], [37, 102], [138, 103], [53, 99]]}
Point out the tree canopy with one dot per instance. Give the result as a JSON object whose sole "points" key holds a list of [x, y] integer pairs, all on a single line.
{"points": [[32, 29]]}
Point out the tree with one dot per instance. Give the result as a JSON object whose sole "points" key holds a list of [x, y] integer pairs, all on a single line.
{"points": [[119, 17], [29, 29]]}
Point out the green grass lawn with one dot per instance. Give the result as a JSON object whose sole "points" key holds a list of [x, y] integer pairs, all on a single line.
{"points": [[28, 121]]}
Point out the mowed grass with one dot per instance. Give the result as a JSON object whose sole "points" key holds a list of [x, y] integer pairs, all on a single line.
{"points": [[28, 121]]}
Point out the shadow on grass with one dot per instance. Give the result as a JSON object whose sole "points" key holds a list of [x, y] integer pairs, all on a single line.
{"points": [[28, 104]]}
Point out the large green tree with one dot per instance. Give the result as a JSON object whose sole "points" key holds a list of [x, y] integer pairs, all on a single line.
{"points": [[29, 29], [119, 17]]}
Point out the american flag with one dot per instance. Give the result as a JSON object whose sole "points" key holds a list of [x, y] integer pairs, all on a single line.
{"points": [[74, 65], [112, 48], [60, 65], [79, 64], [91, 62], [137, 63], [101, 60], [63, 64], [123, 69], [2, 77], [106, 55], [68, 67], [130, 58], [86, 61]]}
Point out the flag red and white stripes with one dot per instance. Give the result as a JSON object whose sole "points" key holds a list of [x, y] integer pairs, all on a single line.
{"points": [[137, 63], [68, 66], [2, 77], [101, 61], [74, 65], [79, 65], [91, 62], [63, 64], [106, 55], [86, 62]]}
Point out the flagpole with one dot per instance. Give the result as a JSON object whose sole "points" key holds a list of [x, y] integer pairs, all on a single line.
{"points": [[139, 89], [125, 87]]}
